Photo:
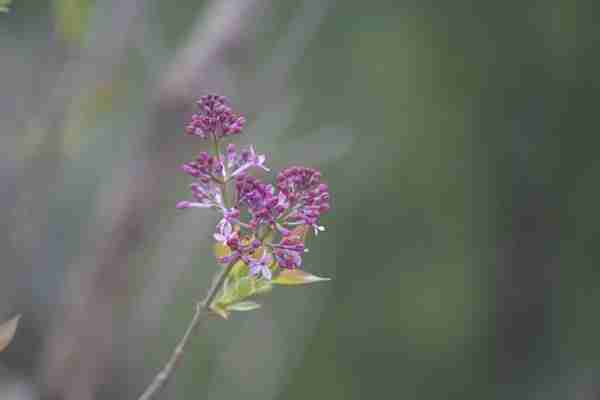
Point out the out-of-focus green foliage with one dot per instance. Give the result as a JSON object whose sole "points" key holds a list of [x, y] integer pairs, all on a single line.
{"points": [[5, 5], [72, 18]]}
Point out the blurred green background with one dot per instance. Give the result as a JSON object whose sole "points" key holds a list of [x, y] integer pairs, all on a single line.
{"points": [[459, 140]]}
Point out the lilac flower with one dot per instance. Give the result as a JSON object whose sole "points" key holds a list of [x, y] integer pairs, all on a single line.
{"points": [[225, 226], [182, 205], [288, 252], [214, 118], [260, 267], [211, 176], [224, 231], [240, 162], [206, 195], [238, 248], [205, 167]]}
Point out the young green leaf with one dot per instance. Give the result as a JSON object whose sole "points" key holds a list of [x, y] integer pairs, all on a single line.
{"points": [[262, 286], [239, 270], [235, 290], [296, 277], [7, 331], [220, 310], [239, 290], [244, 306]]}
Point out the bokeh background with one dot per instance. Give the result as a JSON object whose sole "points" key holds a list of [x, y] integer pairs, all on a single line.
{"points": [[460, 142]]}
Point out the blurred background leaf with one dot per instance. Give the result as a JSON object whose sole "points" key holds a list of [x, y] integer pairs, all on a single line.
{"points": [[7, 331]]}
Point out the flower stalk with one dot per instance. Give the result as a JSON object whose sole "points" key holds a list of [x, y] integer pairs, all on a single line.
{"points": [[202, 310]]}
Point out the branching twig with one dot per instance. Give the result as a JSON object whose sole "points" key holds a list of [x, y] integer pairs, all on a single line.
{"points": [[161, 379]]}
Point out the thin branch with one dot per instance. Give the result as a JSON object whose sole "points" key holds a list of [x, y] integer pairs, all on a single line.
{"points": [[161, 379]]}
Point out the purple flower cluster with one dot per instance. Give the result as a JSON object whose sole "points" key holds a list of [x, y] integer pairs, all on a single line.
{"points": [[214, 118], [274, 212]]}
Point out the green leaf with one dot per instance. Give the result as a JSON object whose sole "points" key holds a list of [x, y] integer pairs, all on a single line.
{"points": [[244, 287], [263, 286], [239, 270], [244, 306], [220, 310], [296, 277], [7, 331], [235, 290]]}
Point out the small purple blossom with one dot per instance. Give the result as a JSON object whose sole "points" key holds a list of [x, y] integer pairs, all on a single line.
{"points": [[260, 267], [239, 248], [225, 226], [205, 167], [239, 163], [288, 252], [206, 195]]}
